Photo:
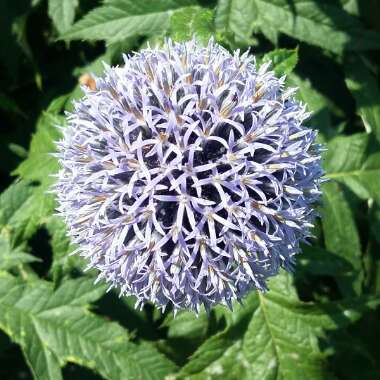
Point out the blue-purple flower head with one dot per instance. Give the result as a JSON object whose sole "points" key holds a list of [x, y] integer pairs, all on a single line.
{"points": [[187, 176]]}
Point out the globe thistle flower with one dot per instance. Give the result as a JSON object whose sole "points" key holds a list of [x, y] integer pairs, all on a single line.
{"points": [[187, 176]]}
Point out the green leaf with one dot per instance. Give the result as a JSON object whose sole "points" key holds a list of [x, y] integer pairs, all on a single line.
{"points": [[234, 19], [117, 20], [57, 105], [283, 60], [315, 100], [35, 212], [63, 264], [55, 327], [349, 161], [11, 257], [274, 336], [190, 22], [186, 324], [364, 88], [341, 234], [40, 164], [23, 208], [12, 200], [320, 24], [207, 358], [351, 6], [316, 103], [18, 150], [62, 12], [38, 204]]}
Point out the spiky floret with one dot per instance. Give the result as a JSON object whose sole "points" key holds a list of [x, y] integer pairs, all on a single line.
{"points": [[187, 176]]}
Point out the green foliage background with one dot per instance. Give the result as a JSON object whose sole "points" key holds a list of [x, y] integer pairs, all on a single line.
{"points": [[320, 323]]}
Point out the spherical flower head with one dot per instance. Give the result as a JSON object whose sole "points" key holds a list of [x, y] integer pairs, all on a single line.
{"points": [[187, 176]]}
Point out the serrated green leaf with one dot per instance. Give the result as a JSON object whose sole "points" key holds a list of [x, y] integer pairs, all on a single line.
{"points": [[234, 19], [341, 234], [12, 200], [364, 88], [40, 164], [63, 263], [283, 60], [190, 22], [37, 203], [348, 161], [273, 336], [187, 325], [206, 359], [55, 327], [35, 211], [62, 12], [320, 24], [117, 20], [11, 257], [23, 208]]}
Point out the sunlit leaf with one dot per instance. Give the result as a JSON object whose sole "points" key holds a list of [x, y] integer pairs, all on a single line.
{"points": [[62, 12], [55, 327], [23, 208], [234, 19], [364, 88], [11, 257], [316, 103], [273, 336], [190, 22], [317, 23], [341, 234], [40, 164], [283, 60], [63, 263], [119, 19], [349, 161]]}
